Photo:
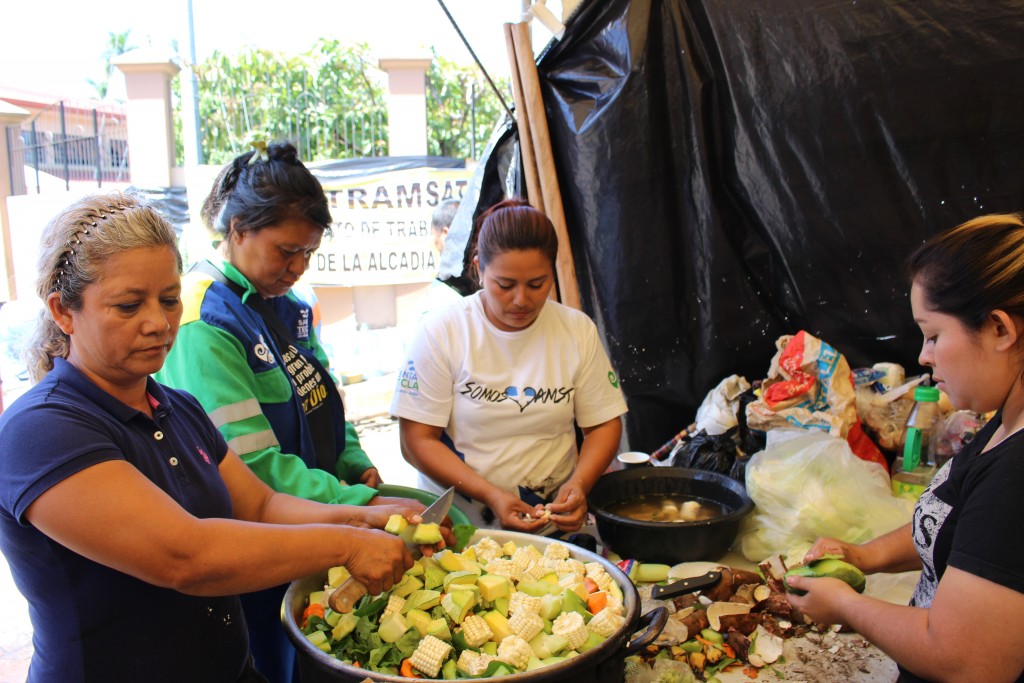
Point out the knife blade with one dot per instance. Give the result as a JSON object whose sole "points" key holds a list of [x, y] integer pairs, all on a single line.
{"points": [[684, 586], [438, 510], [343, 599]]}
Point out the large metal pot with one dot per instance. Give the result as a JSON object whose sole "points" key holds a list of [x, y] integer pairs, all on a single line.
{"points": [[668, 542], [603, 664]]}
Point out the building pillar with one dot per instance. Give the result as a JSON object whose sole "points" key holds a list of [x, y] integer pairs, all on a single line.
{"points": [[377, 306], [11, 118], [407, 103], [147, 78]]}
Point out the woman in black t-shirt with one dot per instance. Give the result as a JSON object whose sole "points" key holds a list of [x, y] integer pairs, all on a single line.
{"points": [[966, 619]]}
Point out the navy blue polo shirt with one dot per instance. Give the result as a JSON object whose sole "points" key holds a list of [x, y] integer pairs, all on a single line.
{"points": [[91, 622]]}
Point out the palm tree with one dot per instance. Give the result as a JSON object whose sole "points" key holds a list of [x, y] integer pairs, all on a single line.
{"points": [[117, 44]]}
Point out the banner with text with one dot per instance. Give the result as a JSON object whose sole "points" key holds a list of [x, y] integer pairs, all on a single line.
{"points": [[381, 226]]}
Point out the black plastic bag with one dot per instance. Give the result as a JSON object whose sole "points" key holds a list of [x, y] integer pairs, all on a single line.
{"points": [[726, 453], [732, 171], [709, 453], [750, 440]]}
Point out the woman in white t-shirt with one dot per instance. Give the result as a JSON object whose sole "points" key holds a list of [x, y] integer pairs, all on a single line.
{"points": [[495, 385]]}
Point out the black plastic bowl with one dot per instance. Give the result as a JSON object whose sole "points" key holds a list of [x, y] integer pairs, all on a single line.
{"points": [[668, 542]]}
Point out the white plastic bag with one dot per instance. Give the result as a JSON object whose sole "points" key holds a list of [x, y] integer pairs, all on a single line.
{"points": [[717, 414], [813, 485]]}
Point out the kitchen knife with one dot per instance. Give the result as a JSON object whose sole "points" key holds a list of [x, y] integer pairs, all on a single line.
{"points": [[344, 598], [684, 586]]}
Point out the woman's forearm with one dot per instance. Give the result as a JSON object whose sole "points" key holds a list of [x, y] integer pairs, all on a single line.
{"points": [[891, 552], [285, 509], [224, 565], [600, 443], [168, 547]]}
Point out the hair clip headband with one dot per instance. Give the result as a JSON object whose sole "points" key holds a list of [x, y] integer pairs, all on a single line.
{"points": [[260, 153], [90, 221]]}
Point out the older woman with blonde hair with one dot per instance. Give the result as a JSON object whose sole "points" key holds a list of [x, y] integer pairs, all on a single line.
{"points": [[129, 525]]}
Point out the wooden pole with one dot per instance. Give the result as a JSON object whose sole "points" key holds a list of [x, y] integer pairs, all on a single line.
{"points": [[533, 191], [552, 196]]}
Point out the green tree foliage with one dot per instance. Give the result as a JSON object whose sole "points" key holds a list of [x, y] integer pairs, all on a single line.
{"points": [[462, 109], [330, 102]]}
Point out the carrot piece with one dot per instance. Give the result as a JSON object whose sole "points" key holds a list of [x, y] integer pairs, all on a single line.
{"points": [[406, 669], [314, 609], [750, 672], [597, 602], [590, 584], [727, 649]]}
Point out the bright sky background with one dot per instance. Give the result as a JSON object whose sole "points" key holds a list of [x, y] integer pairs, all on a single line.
{"points": [[54, 46]]}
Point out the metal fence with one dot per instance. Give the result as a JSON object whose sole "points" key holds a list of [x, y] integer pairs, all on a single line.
{"points": [[69, 143], [320, 124]]}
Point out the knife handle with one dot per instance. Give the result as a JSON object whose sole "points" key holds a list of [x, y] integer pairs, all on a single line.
{"points": [[684, 586], [344, 598]]}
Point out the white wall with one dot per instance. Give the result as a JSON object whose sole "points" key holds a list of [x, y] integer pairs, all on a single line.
{"points": [[29, 215]]}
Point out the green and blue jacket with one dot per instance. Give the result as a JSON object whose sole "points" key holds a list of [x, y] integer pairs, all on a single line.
{"points": [[227, 358]]}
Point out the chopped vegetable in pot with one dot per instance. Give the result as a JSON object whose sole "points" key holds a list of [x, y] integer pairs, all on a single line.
{"points": [[491, 610]]}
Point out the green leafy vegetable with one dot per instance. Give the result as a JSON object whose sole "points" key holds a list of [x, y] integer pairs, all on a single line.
{"points": [[463, 534], [497, 668], [315, 623], [407, 644], [718, 666], [459, 641], [371, 608]]}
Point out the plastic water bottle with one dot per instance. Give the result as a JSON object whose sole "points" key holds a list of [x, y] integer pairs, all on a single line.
{"points": [[916, 464]]}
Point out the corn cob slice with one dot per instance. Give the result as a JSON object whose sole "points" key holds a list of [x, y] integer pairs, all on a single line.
{"points": [[430, 655], [515, 651]]}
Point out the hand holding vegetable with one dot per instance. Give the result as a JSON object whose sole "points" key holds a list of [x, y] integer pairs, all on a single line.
{"points": [[376, 516], [833, 546], [826, 600], [379, 560], [569, 510], [891, 552], [513, 513]]}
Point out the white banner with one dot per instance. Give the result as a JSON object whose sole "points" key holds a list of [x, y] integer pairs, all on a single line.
{"points": [[381, 226]]}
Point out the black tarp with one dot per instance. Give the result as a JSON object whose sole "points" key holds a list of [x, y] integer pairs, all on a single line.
{"points": [[736, 170], [171, 202]]}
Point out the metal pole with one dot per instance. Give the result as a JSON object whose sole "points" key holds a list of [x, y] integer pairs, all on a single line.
{"points": [[10, 166], [472, 121], [190, 123], [96, 137], [64, 145], [35, 154]]}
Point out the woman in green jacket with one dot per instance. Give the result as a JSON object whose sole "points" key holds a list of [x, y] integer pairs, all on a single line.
{"points": [[248, 351]]}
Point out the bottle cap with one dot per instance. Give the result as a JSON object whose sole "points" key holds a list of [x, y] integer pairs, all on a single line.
{"points": [[926, 394]]}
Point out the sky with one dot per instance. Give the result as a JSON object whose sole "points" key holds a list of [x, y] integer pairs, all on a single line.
{"points": [[55, 46]]}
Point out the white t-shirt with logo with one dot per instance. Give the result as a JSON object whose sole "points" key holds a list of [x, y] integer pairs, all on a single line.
{"points": [[508, 400]]}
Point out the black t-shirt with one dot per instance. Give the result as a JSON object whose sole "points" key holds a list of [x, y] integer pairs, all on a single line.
{"points": [[959, 520]]}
